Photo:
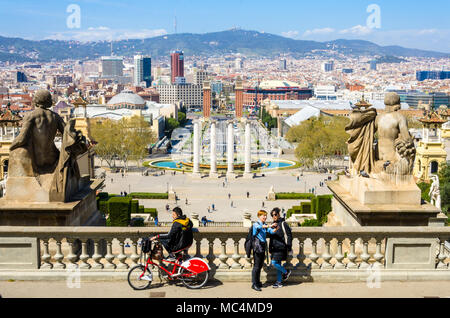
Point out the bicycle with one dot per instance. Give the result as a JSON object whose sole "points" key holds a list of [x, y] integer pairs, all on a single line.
{"points": [[193, 272]]}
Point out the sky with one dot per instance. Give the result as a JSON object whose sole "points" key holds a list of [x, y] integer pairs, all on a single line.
{"points": [[409, 23]]}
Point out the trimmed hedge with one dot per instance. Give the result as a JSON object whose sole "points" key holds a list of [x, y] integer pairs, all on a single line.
{"points": [[119, 211], [141, 209], [294, 196], [311, 223], [137, 222], [306, 207], [134, 206], [323, 206], [149, 196]]}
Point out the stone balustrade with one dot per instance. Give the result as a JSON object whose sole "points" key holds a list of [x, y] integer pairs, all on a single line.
{"points": [[322, 254]]}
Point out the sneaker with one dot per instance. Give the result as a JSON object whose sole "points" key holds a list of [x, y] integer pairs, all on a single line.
{"points": [[277, 285], [286, 276], [256, 287], [147, 278]]}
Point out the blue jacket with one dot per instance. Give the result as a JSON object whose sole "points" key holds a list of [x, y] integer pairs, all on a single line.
{"points": [[260, 232]]}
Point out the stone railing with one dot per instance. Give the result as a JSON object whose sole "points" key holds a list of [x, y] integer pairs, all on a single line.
{"points": [[327, 254]]}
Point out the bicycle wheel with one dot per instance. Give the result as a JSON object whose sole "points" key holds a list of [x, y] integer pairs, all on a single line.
{"points": [[135, 277], [194, 281]]}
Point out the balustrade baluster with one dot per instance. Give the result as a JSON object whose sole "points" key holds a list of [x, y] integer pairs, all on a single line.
{"points": [[46, 257], [378, 256], [441, 256], [301, 255], [352, 256], [313, 256], [339, 255], [109, 256], [326, 256], [84, 255], [97, 256], [223, 257], [198, 248], [236, 257], [134, 256], [211, 257], [365, 256], [122, 257], [59, 256], [72, 257]]}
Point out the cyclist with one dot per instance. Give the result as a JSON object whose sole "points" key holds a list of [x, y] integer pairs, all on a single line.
{"points": [[180, 236]]}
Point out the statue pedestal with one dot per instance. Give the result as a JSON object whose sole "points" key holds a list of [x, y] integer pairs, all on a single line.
{"points": [[81, 212], [369, 202]]}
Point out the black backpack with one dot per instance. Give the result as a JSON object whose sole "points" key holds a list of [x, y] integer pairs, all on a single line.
{"points": [[146, 245], [249, 242]]}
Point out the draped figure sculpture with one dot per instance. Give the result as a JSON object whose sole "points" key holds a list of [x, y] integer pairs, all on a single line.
{"points": [[33, 154], [393, 152]]}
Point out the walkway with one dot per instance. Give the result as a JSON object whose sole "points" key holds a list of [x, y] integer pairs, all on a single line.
{"points": [[227, 290]]}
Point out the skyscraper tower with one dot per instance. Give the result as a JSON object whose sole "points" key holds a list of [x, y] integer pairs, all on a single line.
{"points": [[177, 65], [142, 70]]}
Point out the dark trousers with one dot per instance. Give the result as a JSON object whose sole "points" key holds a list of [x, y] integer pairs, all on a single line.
{"points": [[258, 259]]}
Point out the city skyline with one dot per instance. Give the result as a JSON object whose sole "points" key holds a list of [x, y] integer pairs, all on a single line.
{"points": [[421, 26]]}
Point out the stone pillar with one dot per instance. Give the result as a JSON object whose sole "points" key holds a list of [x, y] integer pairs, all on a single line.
{"points": [[230, 150], [196, 142], [213, 157], [248, 151]]}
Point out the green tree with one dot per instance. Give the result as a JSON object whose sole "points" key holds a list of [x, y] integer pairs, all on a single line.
{"points": [[319, 140], [444, 180], [107, 141], [171, 125], [182, 119]]}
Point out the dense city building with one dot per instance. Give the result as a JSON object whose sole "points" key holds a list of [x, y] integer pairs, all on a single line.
{"points": [[432, 75], [275, 90], [177, 65], [112, 66], [142, 70], [189, 94]]}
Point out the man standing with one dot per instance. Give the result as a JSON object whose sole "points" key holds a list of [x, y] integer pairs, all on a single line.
{"points": [[280, 245]]}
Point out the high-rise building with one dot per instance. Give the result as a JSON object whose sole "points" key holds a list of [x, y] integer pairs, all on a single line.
{"points": [[347, 70], [142, 70], [239, 64], [20, 77], [373, 65], [435, 75], [112, 66], [177, 65], [328, 66], [283, 65]]}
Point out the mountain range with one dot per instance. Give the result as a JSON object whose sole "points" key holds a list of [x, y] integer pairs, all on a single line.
{"points": [[208, 44]]}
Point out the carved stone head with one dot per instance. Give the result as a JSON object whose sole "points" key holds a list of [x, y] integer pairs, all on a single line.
{"points": [[392, 102], [42, 99]]}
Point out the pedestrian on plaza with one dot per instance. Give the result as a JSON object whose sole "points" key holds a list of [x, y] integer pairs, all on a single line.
{"points": [[112, 180], [125, 193], [209, 210], [167, 207], [156, 221], [259, 237], [213, 207], [229, 196], [231, 203], [248, 194], [298, 178], [121, 193], [204, 221], [280, 245], [262, 204], [186, 201]]}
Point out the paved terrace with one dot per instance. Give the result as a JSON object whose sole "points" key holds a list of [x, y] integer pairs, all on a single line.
{"points": [[202, 193], [216, 289]]}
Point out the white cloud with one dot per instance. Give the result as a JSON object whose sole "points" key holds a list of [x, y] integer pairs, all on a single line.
{"points": [[290, 34], [357, 30], [104, 33], [318, 31]]}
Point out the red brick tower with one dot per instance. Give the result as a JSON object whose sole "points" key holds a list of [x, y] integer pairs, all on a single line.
{"points": [[239, 89], [206, 99]]}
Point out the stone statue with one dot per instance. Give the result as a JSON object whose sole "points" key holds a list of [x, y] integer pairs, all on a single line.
{"points": [[435, 192], [394, 153], [33, 153]]}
